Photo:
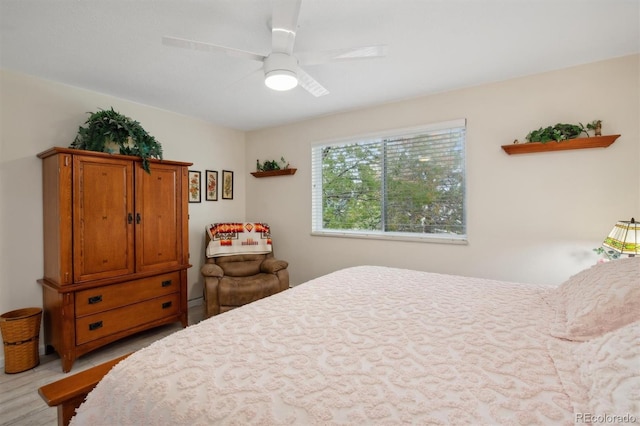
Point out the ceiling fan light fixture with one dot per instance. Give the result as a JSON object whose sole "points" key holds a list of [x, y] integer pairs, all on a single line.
{"points": [[281, 80], [279, 71]]}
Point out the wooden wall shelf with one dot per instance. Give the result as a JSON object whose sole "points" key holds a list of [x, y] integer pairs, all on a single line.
{"points": [[578, 143], [270, 173]]}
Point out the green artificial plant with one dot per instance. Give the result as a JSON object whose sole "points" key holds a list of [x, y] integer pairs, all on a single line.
{"points": [[106, 128], [271, 165], [561, 132]]}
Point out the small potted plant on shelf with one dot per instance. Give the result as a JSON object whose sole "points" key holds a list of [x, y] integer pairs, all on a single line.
{"points": [[273, 168], [566, 136], [561, 132], [268, 166], [110, 131]]}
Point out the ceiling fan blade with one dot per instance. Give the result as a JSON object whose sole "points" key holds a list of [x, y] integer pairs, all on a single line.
{"points": [[310, 84], [346, 54], [245, 80], [284, 24], [208, 47]]}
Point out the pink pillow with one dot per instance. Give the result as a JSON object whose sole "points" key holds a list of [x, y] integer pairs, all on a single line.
{"points": [[602, 298]]}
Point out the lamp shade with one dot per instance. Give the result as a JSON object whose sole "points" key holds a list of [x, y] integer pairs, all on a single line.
{"points": [[623, 238]]}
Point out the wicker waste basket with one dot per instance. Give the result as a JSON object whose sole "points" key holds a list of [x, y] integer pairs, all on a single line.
{"points": [[20, 334]]}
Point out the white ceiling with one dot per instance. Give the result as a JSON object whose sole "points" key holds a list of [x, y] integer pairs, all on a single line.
{"points": [[114, 47]]}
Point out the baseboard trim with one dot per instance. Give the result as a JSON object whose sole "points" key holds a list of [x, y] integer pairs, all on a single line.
{"points": [[195, 302]]}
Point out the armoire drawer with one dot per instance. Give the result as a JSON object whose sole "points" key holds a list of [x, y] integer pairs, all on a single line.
{"points": [[101, 299], [102, 324]]}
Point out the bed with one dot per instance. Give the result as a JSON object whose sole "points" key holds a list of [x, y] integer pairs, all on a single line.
{"points": [[384, 346]]}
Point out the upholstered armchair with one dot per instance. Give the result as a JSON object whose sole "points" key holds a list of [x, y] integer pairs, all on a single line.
{"points": [[233, 280]]}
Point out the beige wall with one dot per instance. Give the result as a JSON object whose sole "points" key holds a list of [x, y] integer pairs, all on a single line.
{"points": [[36, 114], [531, 218]]}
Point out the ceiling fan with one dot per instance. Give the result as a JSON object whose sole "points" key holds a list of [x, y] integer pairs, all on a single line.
{"points": [[282, 69]]}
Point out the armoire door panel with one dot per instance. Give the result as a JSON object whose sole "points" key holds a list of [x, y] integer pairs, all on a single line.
{"points": [[158, 218], [103, 226]]}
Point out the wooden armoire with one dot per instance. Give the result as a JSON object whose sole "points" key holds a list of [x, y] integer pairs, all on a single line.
{"points": [[116, 248]]}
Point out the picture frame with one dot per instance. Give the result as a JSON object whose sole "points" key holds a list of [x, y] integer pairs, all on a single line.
{"points": [[194, 186], [227, 185], [211, 179]]}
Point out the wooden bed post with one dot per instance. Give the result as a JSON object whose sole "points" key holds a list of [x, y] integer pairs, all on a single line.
{"points": [[67, 394]]}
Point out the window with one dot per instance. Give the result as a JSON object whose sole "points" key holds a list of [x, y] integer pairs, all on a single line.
{"points": [[404, 184]]}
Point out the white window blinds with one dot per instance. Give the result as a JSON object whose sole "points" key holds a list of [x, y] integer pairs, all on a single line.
{"points": [[405, 183]]}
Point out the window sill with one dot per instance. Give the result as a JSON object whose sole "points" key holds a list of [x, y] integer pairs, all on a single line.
{"points": [[418, 238]]}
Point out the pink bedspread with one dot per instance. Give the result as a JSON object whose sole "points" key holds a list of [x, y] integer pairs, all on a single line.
{"points": [[364, 345]]}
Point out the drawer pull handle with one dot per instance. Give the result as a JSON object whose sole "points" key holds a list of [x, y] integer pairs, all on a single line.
{"points": [[166, 283], [166, 305], [95, 325], [95, 299]]}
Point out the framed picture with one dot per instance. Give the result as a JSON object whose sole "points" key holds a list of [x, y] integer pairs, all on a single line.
{"points": [[211, 177], [194, 186], [227, 185]]}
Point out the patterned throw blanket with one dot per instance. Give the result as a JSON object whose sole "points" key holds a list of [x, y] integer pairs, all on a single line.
{"points": [[238, 238]]}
